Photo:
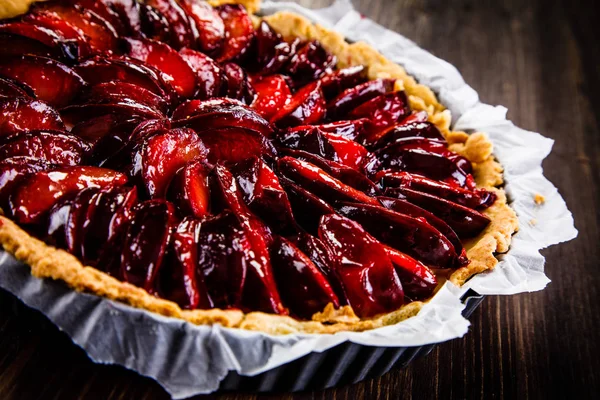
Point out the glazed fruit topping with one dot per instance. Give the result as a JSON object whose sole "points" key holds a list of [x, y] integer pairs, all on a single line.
{"points": [[214, 163]]}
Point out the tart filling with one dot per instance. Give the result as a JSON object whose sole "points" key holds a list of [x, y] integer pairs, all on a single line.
{"points": [[202, 163]]}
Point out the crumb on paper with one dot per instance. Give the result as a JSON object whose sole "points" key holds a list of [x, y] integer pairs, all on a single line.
{"points": [[533, 221], [539, 199]]}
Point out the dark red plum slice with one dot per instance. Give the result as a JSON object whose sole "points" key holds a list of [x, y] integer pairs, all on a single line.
{"points": [[350, 129], [208, 22], [162, 155], [272, 93], [223, 258], [321, 256], [407, 208], [189, 190], [318, 182], [116, 91], [336, 82], [51, 81], [239, 31], [76, 220], [306, 107], [272, 52], [208, 73], [476, 199], [351, 98], [76, 114], [304, 289], [146, 241], [11, 88], [13, 171], [412, 236], [178, 280], [349, 153], [308, 139], [383, 111], [264, 195], [173, 67], [55, 147], [18, 38], [108, 212], [38, 193], [402, 131], [464, 221], [260, 291], [307, 208], [100, 70], [60, 27], [237, 85], [418, 281], [370, 282], [180, 28], [21, 114], [309, 62]]}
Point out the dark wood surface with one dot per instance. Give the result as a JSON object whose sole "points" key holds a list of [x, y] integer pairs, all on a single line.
{"points": [[541, 59]]}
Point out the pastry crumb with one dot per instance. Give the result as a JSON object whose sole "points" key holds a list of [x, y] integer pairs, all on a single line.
{"points": [[539, 199], [533, 221]]}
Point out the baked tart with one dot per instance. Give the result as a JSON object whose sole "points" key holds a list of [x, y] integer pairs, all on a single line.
{"points": [[202, 162]]}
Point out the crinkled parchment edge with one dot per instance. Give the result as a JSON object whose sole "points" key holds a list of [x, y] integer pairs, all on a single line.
{"points": [[48, 262]]}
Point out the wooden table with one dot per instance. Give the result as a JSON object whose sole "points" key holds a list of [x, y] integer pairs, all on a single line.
{"points": [[542, 61]]}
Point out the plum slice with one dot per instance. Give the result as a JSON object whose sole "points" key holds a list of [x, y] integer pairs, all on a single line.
{"points": [[260, 291], [215, 114], [384, 110], [180, 28], [55, 147], [370, 282], [75, 114], [306, 107], [407, 208], [99, 34], [341, 172], [122, 15], [239, 31], [264, 195], [18, 38], [349, 153], [272, 52], [173, 67], [334, 83], [189, 189], [162, 155], [208, 22], [100, 70], [209, 74], [308, 139], [233, 145], [476, 199], [272, 93], [304, 289], [178, 280], [350, 129], [224, 255], [237, 83], [106, 216], [464, 221], [12, 88], [318, 182], [76, 220], [21, 114], [418, 281], [56, 223], [145, 242], [38, 193], [109, 136], [351, 98], [442, 167], [51, 81], [117, 91], [402, 131], [62, 28], [321, 256], [413, 236], [306, 207], [309, 62], [14, 170]]}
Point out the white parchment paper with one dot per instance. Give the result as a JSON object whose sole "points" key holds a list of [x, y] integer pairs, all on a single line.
{"points": [[188, 360]]}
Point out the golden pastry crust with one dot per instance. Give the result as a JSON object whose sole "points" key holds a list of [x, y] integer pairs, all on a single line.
{"points": [[48, 262]]}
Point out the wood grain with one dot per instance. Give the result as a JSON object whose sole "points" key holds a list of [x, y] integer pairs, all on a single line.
{"points": [[541, 60]]}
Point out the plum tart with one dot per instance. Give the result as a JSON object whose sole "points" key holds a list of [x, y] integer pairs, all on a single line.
{"points": [[201, 162]]}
